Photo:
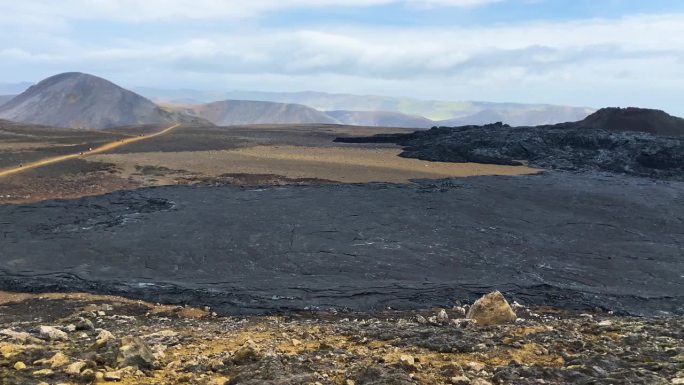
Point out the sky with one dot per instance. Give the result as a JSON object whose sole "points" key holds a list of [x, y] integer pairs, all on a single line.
{"points": [[592, 53]]}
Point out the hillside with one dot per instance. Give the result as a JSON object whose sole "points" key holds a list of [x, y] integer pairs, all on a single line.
{"points": [[78, 100], [634, 119], [5, 98], [518, 116], [380, 119], [460, 112], [236, 112]]}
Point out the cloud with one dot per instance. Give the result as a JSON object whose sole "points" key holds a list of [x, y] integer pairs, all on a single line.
{"points": [[631, 59]]}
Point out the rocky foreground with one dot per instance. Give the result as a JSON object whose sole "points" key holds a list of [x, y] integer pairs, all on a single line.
{"points": [[82, 339]]}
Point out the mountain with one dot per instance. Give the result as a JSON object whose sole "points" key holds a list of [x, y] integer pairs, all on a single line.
{"points": [[380, 119], [5, 98], [532, 116], [634, 119], [80, 100], [236, 112], [464, 112]]}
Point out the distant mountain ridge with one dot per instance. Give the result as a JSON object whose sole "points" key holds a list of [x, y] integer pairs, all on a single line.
{"points": [[78, 100], [441, 112], [239, 112], [380, 119], [14, 88]]}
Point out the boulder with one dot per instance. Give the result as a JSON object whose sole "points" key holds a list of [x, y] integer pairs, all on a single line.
{"points": [[52, 334], [75, 368], [492, 309], [56, 361], [134, 352], [248, 352], [442, 316], [22, 337], [102, 338]]}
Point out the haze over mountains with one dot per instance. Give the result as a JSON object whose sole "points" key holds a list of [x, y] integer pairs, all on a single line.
{"points": [[80, 100], [437, 112], [239, 112], [380, 119]]}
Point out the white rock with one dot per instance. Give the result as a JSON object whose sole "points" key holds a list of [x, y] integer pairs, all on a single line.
{"points": [[442, 316], [52, 334]]}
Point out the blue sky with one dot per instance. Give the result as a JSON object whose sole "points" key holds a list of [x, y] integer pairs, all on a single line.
{"points": [[574, 52]]}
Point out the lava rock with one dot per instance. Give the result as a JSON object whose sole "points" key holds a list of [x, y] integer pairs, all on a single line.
{"points": [[51, 333], [492, 309], [134, 352]]}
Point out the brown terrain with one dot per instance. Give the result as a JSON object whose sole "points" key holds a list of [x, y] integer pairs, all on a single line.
{"points": [[245, 155], [83, 339]]}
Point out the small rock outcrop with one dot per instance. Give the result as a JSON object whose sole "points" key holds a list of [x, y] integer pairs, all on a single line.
{"points": [[491, 309], [51, 333], [134, 352]]}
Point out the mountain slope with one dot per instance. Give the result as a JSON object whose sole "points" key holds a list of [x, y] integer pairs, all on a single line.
{"points": [[532, 116], [5, 98], [78, 100], [380, 119], [236, 112], [634, 119], [461, 112]]}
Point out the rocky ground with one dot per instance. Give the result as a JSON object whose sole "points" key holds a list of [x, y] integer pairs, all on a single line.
{"points": [[82, 339], [605, 141]]}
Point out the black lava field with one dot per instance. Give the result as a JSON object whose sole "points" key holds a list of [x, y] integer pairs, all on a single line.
{"points": [[571, 240]]}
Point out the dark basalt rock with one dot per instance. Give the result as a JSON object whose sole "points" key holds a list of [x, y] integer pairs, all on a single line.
{"points": [[563, 147], [647, 143], [569, 240]]}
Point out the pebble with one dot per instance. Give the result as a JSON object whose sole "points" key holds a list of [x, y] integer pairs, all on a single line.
{"points": [[56, 361], [112, 376], [84, 324], [460, 380], [43, 372], [480, 381], [475, 366], [459, 310], [19, 365], [103, 337], [408, 362], [442, 316], [75, 368]]}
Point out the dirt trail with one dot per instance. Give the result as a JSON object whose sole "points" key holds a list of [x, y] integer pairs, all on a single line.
{"points": [[98, 150]]}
